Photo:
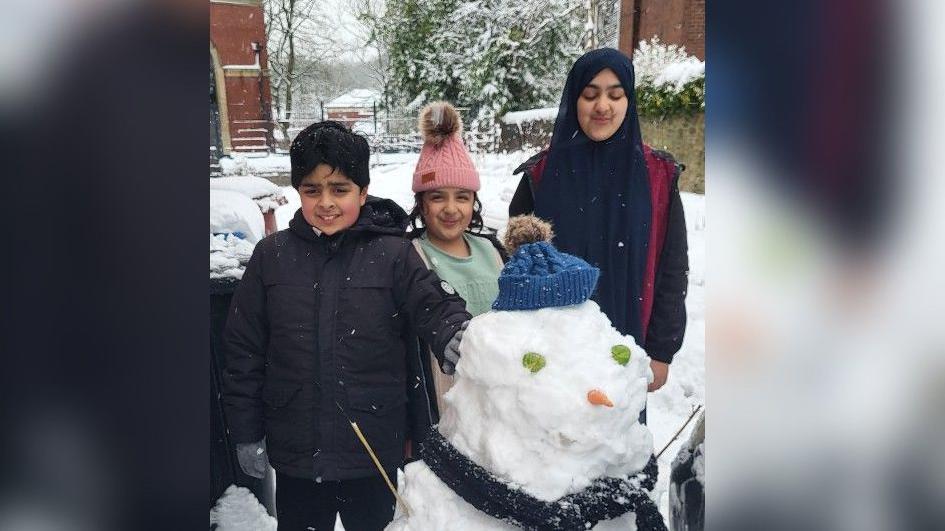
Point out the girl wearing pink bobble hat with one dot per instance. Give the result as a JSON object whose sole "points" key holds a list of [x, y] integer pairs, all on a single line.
{"points": [[446, 220]]}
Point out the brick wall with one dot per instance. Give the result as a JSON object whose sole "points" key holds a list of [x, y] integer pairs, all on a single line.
{"points": [[673, 21], [695, 29], [234, 26]]}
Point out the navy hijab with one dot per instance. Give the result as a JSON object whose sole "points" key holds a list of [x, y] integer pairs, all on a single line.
{"points": [[596, 194]]}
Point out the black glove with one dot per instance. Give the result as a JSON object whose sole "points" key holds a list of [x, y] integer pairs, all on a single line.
{"points": [[451, 352], [253, 458]]}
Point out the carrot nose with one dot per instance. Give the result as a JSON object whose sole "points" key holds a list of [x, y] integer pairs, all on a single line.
{"points": [[599, 398]]}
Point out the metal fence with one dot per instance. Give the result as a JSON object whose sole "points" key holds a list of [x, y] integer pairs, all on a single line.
{"points": [[386, 132]]}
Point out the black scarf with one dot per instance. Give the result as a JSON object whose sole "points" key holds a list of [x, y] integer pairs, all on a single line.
{"points": [[604, 499], [597, 194]]}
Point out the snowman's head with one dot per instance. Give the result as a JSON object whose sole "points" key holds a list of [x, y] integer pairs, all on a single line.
{"points": [[550, 398], [547, 393]]}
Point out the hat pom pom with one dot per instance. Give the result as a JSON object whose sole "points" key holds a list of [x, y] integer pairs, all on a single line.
{"points": [[439, 121], [526, 229]]}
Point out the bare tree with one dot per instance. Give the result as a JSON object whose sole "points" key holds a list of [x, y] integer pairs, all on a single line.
{"points": [[373, 42], [298, 42]]}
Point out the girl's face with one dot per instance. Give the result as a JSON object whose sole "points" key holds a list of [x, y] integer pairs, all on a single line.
{"points": [[446, 213], [602, 106]]}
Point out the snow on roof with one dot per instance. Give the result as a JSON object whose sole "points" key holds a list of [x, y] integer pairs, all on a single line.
{"points": [[265, 193], [531, 115], [355, 98]]}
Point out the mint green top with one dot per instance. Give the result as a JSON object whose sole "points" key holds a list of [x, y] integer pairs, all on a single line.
{"points": [[475, 278]]}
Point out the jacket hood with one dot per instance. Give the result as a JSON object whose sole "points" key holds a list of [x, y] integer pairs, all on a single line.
{"points": [[378, 215]]}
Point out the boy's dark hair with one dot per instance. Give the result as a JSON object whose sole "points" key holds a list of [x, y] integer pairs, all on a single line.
{"points": [[330, 143], [416, 215]]}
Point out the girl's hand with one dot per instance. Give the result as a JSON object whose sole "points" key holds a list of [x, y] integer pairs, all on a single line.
{"points": [[660, 372]]}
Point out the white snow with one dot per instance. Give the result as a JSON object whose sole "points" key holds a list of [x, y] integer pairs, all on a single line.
{"points": [[531, 115], [369, 127], [229, 255], [678, 74], [267, 195], [245, 164], [239, 510], [355, 98], [234, 212], [665, 65]]}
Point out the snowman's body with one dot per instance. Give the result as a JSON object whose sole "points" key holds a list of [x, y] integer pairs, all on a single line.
{"points": [[435, 506], [536, 430]]}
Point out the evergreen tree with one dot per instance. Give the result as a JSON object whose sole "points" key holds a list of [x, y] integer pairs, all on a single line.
{"points": [[492, 56]]}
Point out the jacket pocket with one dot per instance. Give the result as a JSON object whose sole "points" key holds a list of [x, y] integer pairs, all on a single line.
{"points": [[286, 420], [376, 401], [381, 413]]}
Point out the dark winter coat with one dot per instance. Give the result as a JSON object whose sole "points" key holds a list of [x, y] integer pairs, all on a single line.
{"points": [[665, 278], [317, 330]]}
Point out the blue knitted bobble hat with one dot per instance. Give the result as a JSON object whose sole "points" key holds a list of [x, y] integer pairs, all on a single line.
{"points": [[538, 275]]}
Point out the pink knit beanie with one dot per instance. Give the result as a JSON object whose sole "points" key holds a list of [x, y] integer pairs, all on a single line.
{"points": [[444, 161]]}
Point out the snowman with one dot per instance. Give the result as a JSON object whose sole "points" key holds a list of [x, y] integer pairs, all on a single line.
{"points": [[541, 426]]}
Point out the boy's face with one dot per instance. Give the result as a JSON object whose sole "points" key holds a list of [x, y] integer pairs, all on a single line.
{"points": [[331, 202]]}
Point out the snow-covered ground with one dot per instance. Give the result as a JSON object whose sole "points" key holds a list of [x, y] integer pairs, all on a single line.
{"points": [[668, 408]]}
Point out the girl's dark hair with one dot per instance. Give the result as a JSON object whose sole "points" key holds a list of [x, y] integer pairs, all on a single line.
{"points": [[415, 218]]}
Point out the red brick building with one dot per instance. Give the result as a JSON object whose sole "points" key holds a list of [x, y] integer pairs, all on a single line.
{"points": [[673, 21], [240, 97], [354, 106]]}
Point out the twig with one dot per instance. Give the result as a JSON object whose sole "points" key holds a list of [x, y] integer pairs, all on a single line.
{"points": [[681, 428], [377, 463], [370, 451]]}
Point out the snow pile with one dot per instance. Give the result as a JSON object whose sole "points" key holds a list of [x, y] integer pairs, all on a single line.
{"points": [[678, 74], [239, 510], [531, 115], [265, 193], [537, 429], [229, 255], [665, 65], [233, 212]]}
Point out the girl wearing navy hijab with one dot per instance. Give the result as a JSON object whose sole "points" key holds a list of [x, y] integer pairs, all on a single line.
{"points": [[615, 203]]}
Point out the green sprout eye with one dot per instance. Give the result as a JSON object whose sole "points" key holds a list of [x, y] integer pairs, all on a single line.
{"points": [[533, 361], [620, 354]]}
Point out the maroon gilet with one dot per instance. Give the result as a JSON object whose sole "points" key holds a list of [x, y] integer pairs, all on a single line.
{"points": [[663, 170]]}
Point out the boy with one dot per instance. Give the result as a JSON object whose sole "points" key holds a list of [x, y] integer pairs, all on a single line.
{"points": [[316, 332]]}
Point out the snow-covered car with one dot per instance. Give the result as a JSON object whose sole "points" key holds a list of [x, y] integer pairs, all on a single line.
{"points": [[687, 483]]}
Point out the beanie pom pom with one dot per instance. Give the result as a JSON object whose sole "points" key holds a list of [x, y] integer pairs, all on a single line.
{"points": [[438, 121], [526, 229]]}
